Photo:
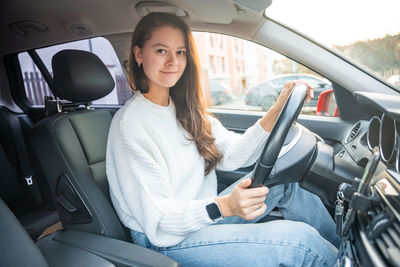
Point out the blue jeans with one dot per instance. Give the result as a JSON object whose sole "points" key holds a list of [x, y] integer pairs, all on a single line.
{"points": [[305, 238]]}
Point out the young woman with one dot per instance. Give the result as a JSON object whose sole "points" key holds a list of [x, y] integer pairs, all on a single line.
{"points": [[162, 152]]}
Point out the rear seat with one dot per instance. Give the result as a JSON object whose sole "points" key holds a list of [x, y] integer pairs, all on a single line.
{"points": [[35, 209]]}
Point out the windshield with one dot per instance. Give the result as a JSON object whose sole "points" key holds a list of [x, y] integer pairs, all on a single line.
{"points": [[365, 32]]}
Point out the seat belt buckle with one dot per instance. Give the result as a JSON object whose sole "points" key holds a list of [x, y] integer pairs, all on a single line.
{"points": [[29, 180]]}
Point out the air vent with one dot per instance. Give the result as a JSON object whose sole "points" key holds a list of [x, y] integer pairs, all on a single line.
{"points": [[388, 245], [383, 231], [387, 240], [353, 133]]}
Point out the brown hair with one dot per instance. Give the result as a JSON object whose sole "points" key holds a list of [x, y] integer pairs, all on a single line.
{"points": [[186, 93]]}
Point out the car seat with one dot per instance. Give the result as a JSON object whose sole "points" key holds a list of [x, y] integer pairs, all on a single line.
{"points": [[16, 247], [71, 145], [31, 202], [69, 248]]}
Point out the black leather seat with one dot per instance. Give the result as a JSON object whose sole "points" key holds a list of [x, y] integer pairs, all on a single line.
{"points": [[69, 248], [18, 250], [16, 247], [71, 146]]}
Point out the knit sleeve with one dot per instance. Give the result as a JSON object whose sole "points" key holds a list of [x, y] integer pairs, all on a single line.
{"points": [[149, 196], [239, 150]]}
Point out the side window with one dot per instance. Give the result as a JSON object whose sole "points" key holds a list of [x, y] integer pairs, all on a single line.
{"points": [[238, 74], [36, 88]]}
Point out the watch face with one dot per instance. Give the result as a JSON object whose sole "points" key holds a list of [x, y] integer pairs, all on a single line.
{"points": [[213, 211]]}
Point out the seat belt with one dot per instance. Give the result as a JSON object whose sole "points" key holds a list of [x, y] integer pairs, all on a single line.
{"points": [[26, 172]]}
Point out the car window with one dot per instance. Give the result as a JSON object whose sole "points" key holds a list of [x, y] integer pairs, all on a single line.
{"points": [[241, 75], [236, 74], [36, 88], [314, 82]]}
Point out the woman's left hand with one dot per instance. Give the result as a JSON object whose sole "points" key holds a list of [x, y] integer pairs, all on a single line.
{"points": [[269, 119], [288, 88]]}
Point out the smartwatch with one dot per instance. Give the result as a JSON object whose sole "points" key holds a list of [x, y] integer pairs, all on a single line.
{"points": [[213, 211]]}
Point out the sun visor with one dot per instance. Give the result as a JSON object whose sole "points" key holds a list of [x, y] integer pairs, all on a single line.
{"points": [[219, 12], [145, 8], [255, 5]]}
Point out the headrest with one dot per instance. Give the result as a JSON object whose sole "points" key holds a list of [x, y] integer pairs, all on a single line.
{"points": [[80, 76]]}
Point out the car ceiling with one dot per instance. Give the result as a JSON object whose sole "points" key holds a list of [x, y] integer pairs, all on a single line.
{"points": [[32, 24], [116, 19]]}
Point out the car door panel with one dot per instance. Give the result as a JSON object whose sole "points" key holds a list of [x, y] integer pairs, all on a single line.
{"points": [[331, 129], [237, 121]]}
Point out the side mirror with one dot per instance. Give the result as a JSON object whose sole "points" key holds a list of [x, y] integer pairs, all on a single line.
{"points": [[327, 104]]}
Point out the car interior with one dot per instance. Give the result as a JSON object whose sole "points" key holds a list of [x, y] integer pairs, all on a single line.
{"points": [[55, 208]]}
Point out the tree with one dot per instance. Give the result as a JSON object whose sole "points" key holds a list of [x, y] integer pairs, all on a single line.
{"points": [[379, 55]]}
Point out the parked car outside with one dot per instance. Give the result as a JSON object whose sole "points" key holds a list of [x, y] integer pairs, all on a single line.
{"points": [[220, 93], [265, 94]]}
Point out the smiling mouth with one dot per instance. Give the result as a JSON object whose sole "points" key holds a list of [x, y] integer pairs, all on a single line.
{"points": [[169, 72]]}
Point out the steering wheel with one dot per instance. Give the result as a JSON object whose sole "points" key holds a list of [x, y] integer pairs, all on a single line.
{"points": [[272, 147]]}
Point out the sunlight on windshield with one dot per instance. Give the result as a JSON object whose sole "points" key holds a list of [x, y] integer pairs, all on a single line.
{"points": [[364, 31]]}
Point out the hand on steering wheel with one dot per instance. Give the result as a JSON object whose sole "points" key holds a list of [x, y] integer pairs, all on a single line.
{"points": [[243, 202], [290, 102], [288, 88]]}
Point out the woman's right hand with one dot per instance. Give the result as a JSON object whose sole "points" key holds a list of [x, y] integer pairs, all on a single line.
{"points": [[243, 202]]}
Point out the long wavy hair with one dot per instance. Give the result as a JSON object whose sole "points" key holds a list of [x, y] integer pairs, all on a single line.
{"points": [[186, 94]]}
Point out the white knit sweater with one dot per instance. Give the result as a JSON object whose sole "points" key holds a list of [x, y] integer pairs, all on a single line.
{"points": [[156, 175]]}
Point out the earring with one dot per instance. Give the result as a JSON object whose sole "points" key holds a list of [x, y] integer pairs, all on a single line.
{"points": [[139, 64]]}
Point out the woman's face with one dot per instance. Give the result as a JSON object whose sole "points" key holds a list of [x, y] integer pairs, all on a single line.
{"points": [[163, 57]]}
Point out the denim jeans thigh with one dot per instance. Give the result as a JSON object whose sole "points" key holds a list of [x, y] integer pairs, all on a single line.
{"points": [[276, 243], [295, 204]]}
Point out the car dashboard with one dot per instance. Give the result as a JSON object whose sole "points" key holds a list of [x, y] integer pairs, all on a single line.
{"points": [[373, 238]]}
